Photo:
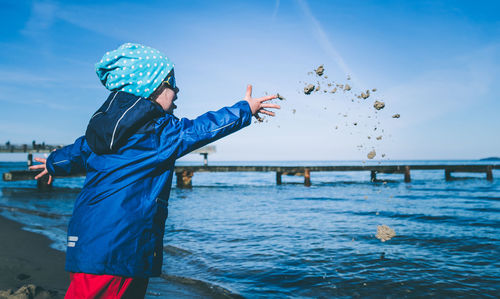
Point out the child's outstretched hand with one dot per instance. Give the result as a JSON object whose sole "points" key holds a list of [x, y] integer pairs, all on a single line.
{"points": [[257, 105], [41, 166]]}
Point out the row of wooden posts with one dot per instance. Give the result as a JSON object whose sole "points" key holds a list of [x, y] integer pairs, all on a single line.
{"points": [[185, 173]]}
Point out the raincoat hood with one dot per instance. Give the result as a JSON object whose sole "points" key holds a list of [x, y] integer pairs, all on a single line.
{"points": [[120, 117]]}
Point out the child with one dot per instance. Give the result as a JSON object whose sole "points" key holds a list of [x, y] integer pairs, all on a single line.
{"points": [[115, 235]]}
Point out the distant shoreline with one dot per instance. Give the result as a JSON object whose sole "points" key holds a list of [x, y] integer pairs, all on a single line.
{"points": [[490, 159]]}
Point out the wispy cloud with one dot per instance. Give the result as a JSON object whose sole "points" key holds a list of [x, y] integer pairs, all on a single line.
{"points": [[99, 20], [29, 79], [322, 38], [26, 78], [35, 102], [275, 11], [26, 88], [42, 17]]}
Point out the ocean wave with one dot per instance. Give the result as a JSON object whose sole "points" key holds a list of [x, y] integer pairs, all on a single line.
{"points": [[453, 220], [207, 290], [176, 251], [316, 198], [34, 212]]}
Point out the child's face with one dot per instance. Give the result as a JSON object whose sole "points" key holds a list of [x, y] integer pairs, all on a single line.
{"points": [[166, 100]]}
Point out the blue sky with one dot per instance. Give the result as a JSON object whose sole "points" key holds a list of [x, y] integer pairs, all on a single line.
{"points": [[437, 63]]}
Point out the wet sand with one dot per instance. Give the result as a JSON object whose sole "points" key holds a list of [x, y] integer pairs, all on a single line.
{"points": [[26, 258]]}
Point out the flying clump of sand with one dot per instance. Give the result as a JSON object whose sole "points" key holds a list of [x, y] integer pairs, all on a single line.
{"points": [[320, 70], [280, 97], [371, 154], [379, 105], [309, 88]]}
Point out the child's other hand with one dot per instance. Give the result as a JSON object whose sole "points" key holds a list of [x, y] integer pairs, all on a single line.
{"points": [[257, 105], [41, 166]]}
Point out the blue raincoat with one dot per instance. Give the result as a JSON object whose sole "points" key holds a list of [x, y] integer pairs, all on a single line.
{"points": [[128, 153]]}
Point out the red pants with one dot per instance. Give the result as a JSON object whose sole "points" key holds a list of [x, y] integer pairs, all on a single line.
{"points": [[85, 286]]}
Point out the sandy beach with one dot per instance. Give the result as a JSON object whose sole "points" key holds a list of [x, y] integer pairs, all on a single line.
{"points": [[26, 258]]}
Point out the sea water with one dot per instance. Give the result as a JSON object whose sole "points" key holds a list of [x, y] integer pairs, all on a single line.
{"points": [[244, 233]]}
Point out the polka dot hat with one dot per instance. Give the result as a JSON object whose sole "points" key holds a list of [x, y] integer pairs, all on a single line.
{"points": [[135, 69]]}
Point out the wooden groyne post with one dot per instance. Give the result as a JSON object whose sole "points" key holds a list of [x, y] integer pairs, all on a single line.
{"points": [[407, 174], [278, 177], [392, 169], [489, 173], [488, 169], [307, 177], [184, 179]]}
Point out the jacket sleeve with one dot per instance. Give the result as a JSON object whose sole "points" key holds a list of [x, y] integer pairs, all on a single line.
{"points": [[181, 136], [68, 160]]}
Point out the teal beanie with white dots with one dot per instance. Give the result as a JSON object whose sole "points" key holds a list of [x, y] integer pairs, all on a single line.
{"points": [[134, 68]]}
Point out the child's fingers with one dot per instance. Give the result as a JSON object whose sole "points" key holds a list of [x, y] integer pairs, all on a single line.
{"points": [[267, 98], [263, 111], [39, 166], [275, 106], [41, 174], [41, 160], [50, 180], [248, 94]]}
